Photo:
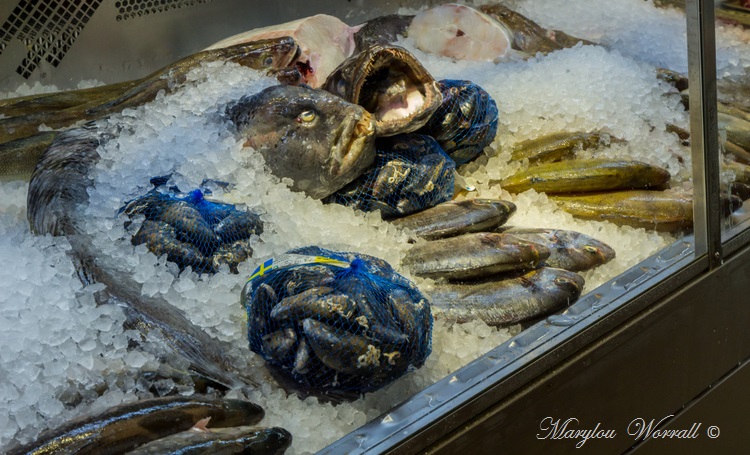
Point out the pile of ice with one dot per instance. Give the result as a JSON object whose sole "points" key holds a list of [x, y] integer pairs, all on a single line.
{"points": [[63, 356]]}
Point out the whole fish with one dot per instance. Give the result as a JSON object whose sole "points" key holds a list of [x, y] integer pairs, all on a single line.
{"points": [[582, 176], [473, 256], [457, 217], [307, 147], [391, 84], [220, 441], [501, 302], [569, 250], [557, 146], [267, 54], [659, 210], [127, 426]]}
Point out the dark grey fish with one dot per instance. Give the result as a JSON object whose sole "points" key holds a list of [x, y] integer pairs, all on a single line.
{"points": [[381, 30], [501, 302], [129, 425], [569, 250], [220, 441], [458, 217], [473, 255], [391, 84]]}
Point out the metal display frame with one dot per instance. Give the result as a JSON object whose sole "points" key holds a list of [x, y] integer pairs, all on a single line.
{"points": [[667, 337]]}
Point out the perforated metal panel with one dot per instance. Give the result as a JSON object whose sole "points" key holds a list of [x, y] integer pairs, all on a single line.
{"points": [[47, 28], [128, 9]]}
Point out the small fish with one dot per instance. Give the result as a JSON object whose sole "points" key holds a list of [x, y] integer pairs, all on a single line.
{"points": [[509, 301], [457, 217], [580, 176], [658, 210], [473, 256], [127, 426], [557, 146], [569, 250], [391, 84], [220, 441]]}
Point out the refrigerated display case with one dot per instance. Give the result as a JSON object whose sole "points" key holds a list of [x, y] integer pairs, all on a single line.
{"points": [[662, 341]]}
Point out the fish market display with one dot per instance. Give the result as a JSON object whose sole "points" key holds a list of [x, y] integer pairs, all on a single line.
{"points": [[264, 156], [336, 321]]}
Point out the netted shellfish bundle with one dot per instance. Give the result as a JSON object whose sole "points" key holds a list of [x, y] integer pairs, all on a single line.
{"points": [[336, 321], [411, 173]]}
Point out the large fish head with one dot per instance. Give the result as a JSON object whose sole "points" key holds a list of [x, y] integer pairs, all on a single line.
{"points": [[315, 138], [391, 84]]}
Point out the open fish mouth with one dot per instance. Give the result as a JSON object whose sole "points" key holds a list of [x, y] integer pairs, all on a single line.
{"points": [[391, 84], [353, 150]]}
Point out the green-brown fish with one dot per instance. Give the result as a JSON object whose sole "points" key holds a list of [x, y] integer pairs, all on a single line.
{"points": [[583, 176], [265, 54], [220, 441], [127, 426], [659, 210], [557, 146], [509, 301], [473, 256], [569, 250], [458, 217]]}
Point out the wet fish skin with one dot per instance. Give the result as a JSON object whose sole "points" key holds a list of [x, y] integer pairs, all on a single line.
{"points": [[223, 441], [457, 217], [502, 302], [473, 255], [126, 426], [528, 36], [19, 157], [579, 176], [384, 77], [658, 210], [557, 146], [291, 127], [381, 30], [569, 250], [258, 55]]}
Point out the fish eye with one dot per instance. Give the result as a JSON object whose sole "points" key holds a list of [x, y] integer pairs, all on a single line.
{"points": [[308, 117], [590, 249], [268, 61]]}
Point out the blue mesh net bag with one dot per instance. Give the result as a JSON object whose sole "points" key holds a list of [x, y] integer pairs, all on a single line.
{"points": [[336, 322], [411, 172], [465, 123], [192, 230]]}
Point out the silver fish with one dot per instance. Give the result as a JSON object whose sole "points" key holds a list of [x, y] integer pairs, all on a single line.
{"points": [[458, 217], [506, 302], [129, 425], [569, 250], [220, 441], [473, 256]]}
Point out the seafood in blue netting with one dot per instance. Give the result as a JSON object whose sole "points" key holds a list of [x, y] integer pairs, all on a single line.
{"points": [[335, 322]]}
